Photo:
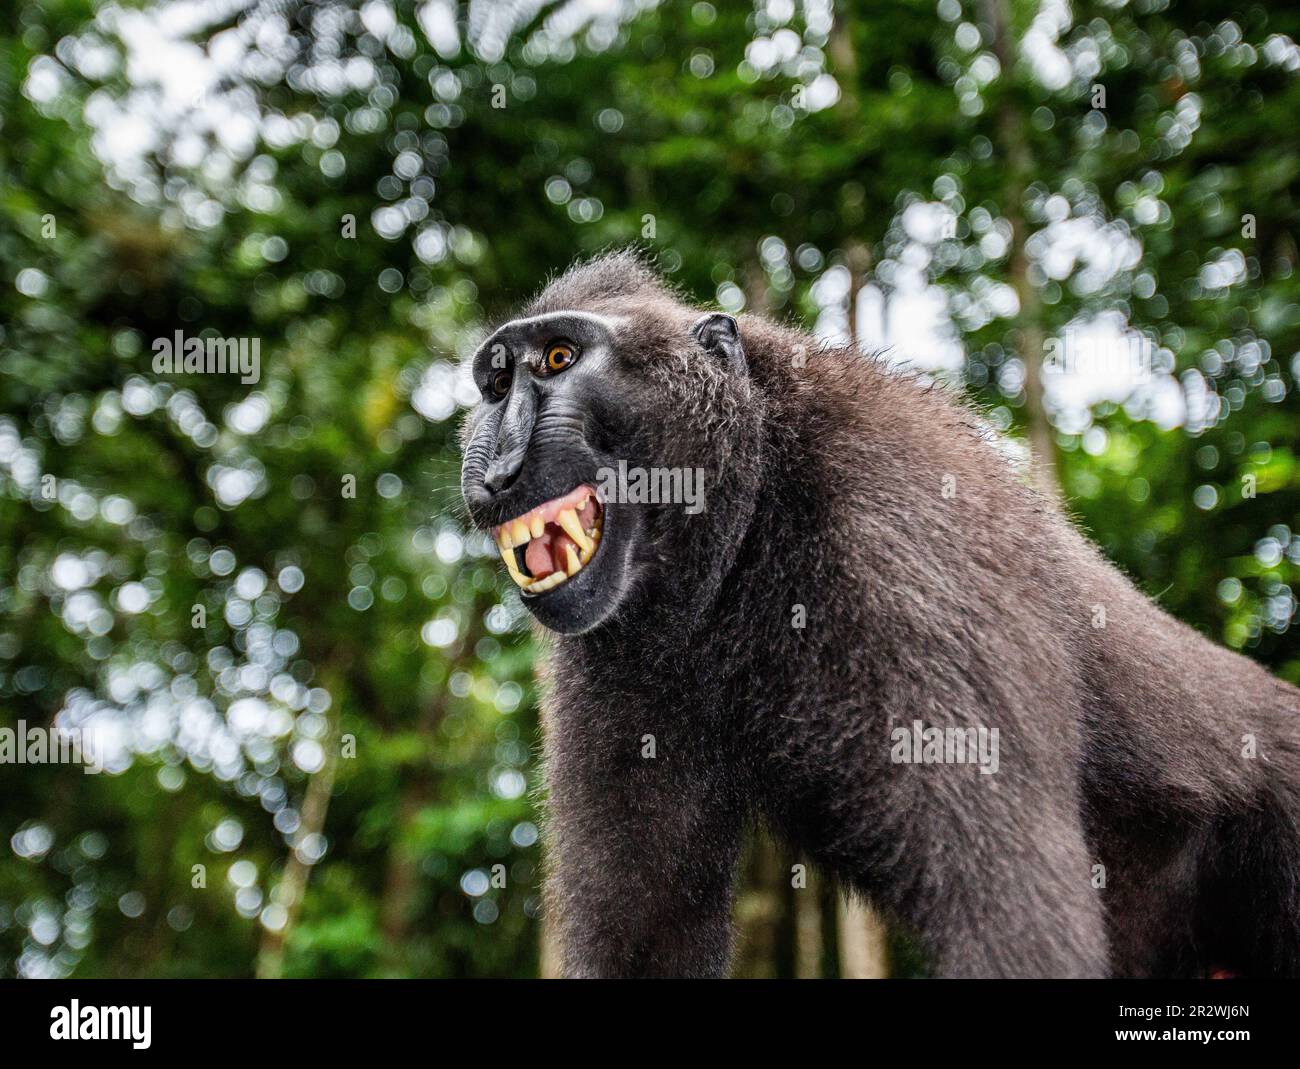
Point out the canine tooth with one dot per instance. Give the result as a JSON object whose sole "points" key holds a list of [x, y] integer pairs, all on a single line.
{"points": [[519, 531], [568, 519], [538, 526], [508, 555], [504, 541], [572, 564]]}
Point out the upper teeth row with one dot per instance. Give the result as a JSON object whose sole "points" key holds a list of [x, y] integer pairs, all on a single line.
{"points": [[521, 531]]}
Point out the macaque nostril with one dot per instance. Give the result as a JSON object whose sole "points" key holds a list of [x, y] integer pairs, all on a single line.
{"points": [[497, 480], [502, 471]]}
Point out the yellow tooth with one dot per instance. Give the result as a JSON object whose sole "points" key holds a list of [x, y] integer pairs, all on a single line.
{"points": [[571, 562], [503, 537], [538, 526], [568, 519], [519, 532], [553, 580], [508, 555]]}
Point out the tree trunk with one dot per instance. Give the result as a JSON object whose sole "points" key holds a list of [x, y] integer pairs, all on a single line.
{"points": [[857, 258], [549, 955], [1017, 154], [293, 883], [864, 949], [401, 880], [809, 945], [759, 910]]}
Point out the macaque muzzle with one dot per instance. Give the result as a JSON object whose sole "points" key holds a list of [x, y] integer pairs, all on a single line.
{"points": [[553, 542]]}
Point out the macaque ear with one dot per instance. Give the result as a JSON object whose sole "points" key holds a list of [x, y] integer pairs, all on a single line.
{"points": [[719, 334]]}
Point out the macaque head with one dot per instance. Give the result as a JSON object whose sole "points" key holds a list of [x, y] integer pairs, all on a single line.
{"points": [[613, 452]]}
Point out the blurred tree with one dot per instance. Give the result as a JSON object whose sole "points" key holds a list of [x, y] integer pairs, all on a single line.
{"points": [[330, 775]]}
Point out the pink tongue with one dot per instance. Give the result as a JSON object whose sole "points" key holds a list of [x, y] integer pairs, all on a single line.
{"points": [[547, 554], [537, 555]]}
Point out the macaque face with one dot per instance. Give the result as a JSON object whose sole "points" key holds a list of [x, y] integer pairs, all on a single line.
{"points": [[570, 402], [553, 399]]}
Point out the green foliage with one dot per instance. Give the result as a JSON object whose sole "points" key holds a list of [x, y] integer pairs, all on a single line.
{"points": [[347, 745]]}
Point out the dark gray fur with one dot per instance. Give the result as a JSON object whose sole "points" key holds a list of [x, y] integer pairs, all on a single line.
{"points": [[1120, 746]]}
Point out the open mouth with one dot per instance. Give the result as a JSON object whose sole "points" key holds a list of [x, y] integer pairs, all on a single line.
{"points": [[550, 544]]}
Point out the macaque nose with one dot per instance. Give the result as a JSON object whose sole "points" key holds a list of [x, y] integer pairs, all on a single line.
{"points": [[502, 471], [512, 437]]}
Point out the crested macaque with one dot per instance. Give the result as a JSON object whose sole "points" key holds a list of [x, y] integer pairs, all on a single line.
{"points": [[873, 637]]}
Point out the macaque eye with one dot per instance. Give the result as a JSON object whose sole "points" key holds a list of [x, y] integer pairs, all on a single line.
{"points": [[559, 355], [500, 384]]}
